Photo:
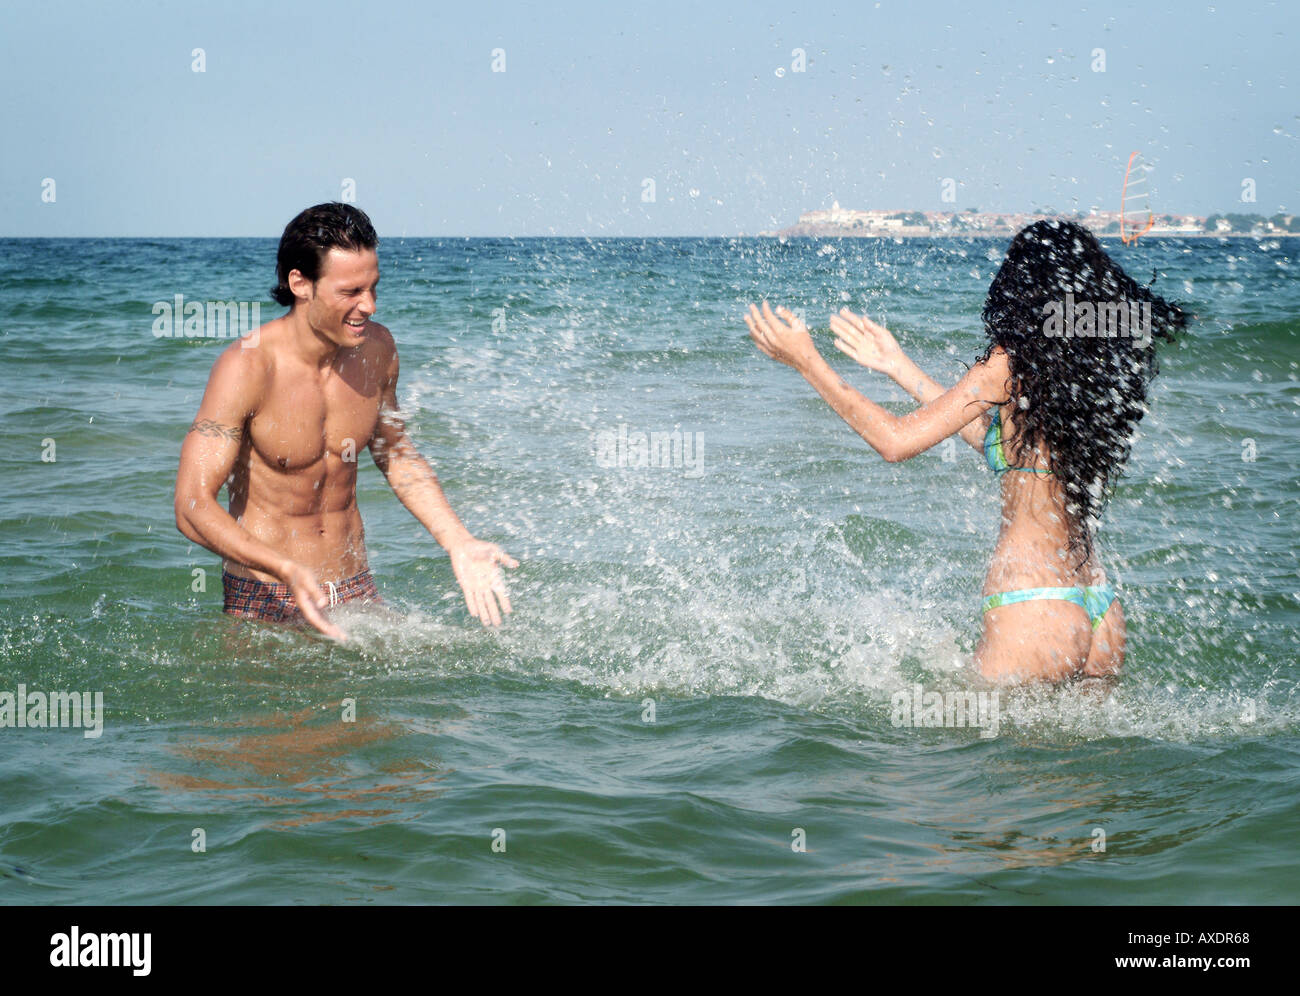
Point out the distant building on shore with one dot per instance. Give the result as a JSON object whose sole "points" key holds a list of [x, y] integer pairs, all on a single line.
{"points": [[838, 222]]}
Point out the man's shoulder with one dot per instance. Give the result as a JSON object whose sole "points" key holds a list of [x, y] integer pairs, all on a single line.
{"points": [[381, 341], [244, 365], [380, 335]]}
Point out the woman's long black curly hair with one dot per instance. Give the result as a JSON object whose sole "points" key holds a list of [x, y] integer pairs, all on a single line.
{"points": [[1080, 396]]}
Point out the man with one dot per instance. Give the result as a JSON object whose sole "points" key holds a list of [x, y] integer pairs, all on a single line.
{"points": [[283, 417]]}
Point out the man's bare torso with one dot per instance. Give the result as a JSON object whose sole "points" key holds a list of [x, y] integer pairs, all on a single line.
{"points": [[294, 483]]}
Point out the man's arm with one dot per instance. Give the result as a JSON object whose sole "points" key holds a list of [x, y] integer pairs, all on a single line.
{"points": [[474, 562], [408, 473], [208, 455]]}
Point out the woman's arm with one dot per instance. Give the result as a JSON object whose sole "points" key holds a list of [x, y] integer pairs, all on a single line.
{"points": [[875, 348], [894, 437]]}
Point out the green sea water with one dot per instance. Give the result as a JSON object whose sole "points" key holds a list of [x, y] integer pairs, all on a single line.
{"points": [[692, 702]]}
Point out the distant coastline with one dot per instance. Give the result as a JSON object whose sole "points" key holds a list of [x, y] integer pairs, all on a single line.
{"points": [[837, 222]]}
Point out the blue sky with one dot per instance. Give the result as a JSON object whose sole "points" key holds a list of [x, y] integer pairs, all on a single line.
{"points": [[596, 98]]}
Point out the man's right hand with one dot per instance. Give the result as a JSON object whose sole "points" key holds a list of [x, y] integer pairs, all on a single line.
{"points": [[311, 599]]}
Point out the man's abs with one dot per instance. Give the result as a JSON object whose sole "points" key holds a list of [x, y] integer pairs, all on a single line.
{"points": [[332, 544]]}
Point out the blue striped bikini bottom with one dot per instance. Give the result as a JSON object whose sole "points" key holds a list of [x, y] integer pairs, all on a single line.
{"points": [[1094, 600]]}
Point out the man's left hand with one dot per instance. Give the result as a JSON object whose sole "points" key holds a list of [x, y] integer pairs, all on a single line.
{"points": [[477, 565]]}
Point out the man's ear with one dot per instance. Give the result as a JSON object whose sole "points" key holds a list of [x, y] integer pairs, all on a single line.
{"points": [[299, 285]]}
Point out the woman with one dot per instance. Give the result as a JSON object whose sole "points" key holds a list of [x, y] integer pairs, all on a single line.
{"points": [[1052, 405]]}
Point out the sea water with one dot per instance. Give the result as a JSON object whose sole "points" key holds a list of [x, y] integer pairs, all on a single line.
{"points": [[724, 597]]}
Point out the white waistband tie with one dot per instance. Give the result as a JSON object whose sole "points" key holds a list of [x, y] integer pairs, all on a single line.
{"points": [[334, 594]]}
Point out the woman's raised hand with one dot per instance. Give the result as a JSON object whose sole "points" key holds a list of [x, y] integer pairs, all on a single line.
{"points": [[868, 343], [787, 343]]}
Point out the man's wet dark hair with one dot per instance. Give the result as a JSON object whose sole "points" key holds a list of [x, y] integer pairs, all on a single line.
{"points": [[310, 236]]}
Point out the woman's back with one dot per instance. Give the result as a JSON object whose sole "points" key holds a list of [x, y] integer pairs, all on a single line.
{"points": [[1067, 394], [1047, 636]]}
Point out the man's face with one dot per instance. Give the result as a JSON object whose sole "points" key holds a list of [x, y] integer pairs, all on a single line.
{"points": [[344, 297]]}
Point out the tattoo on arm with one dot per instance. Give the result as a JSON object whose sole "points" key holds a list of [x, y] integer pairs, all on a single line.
{"points": [[207, 427]]}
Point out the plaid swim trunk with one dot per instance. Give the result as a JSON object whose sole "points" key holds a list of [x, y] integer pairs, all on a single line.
{"points": [[273, 602]]}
